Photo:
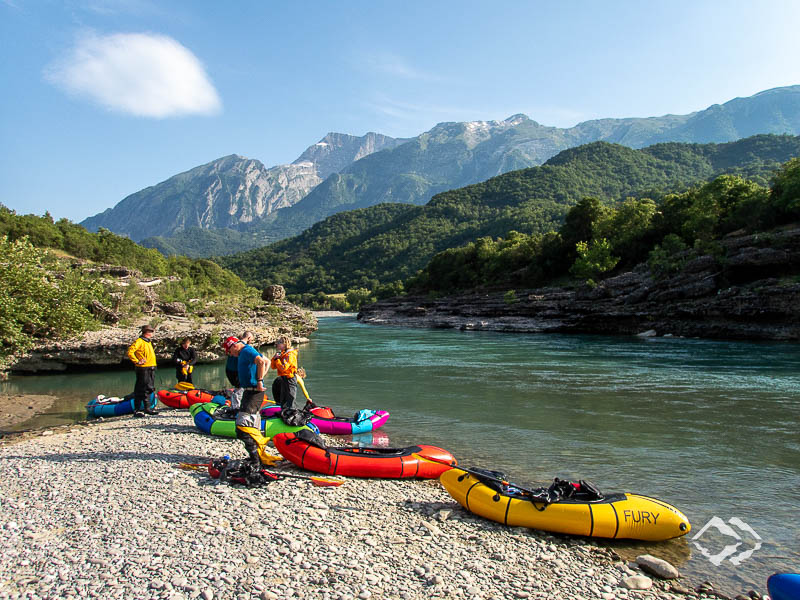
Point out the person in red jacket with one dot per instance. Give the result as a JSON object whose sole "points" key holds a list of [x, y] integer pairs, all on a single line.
{"points": [[284, 388]]}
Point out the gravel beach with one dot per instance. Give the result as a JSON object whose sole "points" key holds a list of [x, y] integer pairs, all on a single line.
{"points": [[101, 511]]}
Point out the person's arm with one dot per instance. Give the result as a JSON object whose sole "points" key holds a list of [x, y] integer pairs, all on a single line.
{"points": [[273, 363], [303, 387], [132, 352], [291, 362], [176, 356], [192, 356], [261, 371]]}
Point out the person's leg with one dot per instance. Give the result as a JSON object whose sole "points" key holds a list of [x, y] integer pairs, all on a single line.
{"points": [[236, 395], [139, 394], [150, 383], [277, 386], [236, 398], [288, 389], [179, 375], [248, 423]]}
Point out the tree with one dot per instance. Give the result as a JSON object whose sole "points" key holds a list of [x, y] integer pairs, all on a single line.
{"points": [[580, 221], [358, 297], [785, 194], [593, 259], [628, 228]]}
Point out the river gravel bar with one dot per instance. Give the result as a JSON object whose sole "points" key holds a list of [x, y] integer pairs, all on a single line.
{"points": [[101, 511]]}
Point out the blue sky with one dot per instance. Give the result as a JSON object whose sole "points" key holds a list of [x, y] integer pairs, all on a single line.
{"points": [[102, 98]]}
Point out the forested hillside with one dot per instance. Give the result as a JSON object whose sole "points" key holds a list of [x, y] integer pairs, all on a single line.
{"points": [[380, 245], [53, 282], [452, 155], [597, 239]]}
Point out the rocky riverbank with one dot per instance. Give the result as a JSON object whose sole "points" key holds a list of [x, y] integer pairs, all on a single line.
{"points": [[101, 511], [751, 291], [106, 347]]}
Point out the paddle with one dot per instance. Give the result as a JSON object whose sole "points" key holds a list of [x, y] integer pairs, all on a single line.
{"points": [[193, 466], [481, 475], [316, 481]]}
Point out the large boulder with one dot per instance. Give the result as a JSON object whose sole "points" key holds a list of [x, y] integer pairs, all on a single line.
{"points": [[172, 308], [106, 314], [273, 293]]}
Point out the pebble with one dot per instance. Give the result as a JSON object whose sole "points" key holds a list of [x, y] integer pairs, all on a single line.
{"points": [[657, 566], [190, 537], [637, 582]]}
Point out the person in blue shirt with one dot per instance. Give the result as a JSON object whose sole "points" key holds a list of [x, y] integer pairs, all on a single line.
{"points": [[252, 367]]}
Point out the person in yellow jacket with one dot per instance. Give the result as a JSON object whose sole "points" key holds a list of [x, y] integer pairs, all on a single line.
{"points": [[284, 387], [143, 357]]}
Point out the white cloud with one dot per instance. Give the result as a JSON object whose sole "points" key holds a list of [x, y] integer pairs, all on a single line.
{"points": [[142, 74]]}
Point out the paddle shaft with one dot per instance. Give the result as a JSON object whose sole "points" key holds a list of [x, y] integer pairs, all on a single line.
{"points": [[307, 478], [479, 474]]}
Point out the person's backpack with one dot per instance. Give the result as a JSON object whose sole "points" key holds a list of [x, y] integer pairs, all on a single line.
{"points": [[295, 417]]}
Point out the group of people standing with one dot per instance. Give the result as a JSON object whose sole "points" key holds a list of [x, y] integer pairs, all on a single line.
{"points": [[248, 377], [245, 369]]}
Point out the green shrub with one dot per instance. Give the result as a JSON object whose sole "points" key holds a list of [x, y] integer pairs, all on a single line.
{"points": [[594, 259], [668, 257], [358, 297], [39, 297]]}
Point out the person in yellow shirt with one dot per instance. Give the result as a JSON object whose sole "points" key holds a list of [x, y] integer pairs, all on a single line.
{"points": [[284, 388], [300, 375], [143, 357]]}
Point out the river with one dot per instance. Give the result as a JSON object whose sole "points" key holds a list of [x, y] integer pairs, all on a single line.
{"points": [[708, 426]]}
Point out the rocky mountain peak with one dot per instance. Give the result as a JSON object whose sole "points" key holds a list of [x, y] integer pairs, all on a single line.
{"points": [[518, 119], [336, 151]]}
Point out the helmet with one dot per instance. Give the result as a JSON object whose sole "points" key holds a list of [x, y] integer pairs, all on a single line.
{"points": [[229, 343]]}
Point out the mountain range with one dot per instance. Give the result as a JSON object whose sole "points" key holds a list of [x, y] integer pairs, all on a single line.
{"points": [[232, 192], [388, 242], [235, 203]]}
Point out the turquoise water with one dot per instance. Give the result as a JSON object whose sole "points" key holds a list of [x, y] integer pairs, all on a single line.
{"points": [[708, 426]]}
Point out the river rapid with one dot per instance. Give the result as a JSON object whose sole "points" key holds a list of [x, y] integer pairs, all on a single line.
{"points": [[708, 426]]}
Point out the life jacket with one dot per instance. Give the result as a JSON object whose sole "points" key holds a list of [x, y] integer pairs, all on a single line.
{"points": [[285, 363]]}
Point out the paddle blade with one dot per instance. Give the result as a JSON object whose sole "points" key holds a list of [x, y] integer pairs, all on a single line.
{"points": [[184, 386], [434, 460], [320, 482], [193, 466]]}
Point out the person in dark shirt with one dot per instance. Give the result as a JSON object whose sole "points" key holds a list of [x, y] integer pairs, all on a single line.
{"points": [[232, 372], [184, 358]]}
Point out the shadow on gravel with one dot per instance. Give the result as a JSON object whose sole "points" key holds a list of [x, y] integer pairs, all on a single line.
{"points": [[171, 428], [110, 456], [431, 509]]}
